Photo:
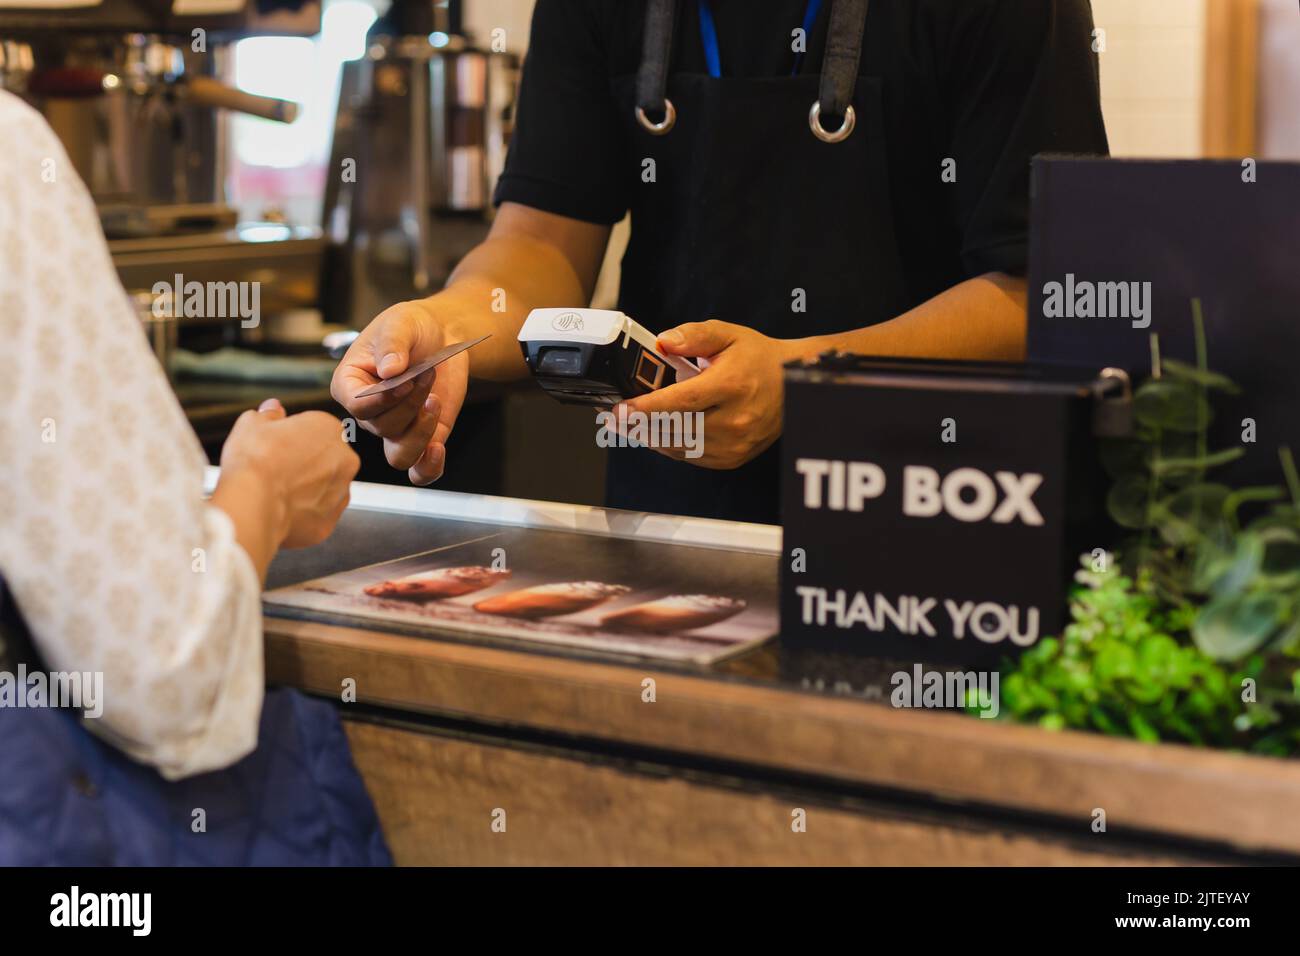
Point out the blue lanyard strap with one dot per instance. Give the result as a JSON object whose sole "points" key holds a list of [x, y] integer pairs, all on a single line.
{"points": [[709, 36]]}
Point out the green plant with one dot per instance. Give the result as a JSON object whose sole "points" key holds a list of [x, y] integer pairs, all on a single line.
{"points": [[1191, 538], [1123, 666], [1194, 637]]}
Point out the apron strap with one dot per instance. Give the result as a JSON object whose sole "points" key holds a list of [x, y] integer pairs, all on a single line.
{"points": [[652, 75], [840, 70]]}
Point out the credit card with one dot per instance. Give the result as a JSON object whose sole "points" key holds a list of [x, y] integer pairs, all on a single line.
{"points": [[415, 371]]}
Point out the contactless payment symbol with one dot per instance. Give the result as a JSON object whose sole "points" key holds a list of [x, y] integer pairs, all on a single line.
{"points": [[567, 322]]}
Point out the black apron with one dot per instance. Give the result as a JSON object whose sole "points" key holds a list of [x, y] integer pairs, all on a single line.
{"points": [[750, 212]]}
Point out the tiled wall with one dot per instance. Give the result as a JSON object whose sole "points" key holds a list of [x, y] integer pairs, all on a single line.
{"points": [[1152, 75], [1279, 80]]}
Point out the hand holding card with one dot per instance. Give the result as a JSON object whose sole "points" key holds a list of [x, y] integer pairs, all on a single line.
{"points": [[415, 371], [404, 379]]}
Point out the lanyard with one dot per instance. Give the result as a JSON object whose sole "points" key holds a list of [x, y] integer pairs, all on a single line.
{"points": [[709, 36]]}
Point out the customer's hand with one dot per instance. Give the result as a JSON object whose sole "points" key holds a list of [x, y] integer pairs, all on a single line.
{"points": [[414, 419], [302, 461]]}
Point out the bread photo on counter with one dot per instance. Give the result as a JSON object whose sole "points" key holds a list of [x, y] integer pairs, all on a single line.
{"points": [[439, 584], [551, 600], [674, 613]]}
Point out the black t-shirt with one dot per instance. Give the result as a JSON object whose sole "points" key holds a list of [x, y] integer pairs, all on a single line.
{"points": [[987, 83]]}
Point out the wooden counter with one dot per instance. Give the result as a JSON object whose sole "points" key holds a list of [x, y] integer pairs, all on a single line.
{"points": [[750, 761], [714, 770]]}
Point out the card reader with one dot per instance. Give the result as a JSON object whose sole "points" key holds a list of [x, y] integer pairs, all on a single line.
{"points": [[596, 357]]}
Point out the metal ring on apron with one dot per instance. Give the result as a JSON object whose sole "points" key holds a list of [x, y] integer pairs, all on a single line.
{"points": [[841, 134], [664, 125]]}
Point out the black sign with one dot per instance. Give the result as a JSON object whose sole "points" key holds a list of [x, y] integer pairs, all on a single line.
{"points": [[934, 510]]}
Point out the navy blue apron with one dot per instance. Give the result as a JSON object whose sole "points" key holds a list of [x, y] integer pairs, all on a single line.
{"points": [[769, 193], [67, 798]]}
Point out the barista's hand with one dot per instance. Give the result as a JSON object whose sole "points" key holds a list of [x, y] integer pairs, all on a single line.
{"points": [[414, 419], [740, 392]]}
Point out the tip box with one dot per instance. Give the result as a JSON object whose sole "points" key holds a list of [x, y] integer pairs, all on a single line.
{"points": [[936, 510]]}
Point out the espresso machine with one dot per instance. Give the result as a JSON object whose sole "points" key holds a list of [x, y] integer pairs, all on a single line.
{"points": [[420, 138], [135, 91], [424, 119]]}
